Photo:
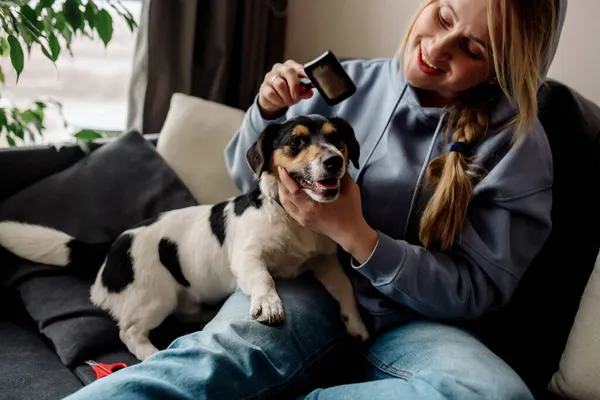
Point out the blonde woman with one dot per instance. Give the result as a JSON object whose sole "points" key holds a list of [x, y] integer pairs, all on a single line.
{"points": [[451, 204]]}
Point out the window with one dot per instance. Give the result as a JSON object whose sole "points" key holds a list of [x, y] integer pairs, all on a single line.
{"points": [[92, 84]]}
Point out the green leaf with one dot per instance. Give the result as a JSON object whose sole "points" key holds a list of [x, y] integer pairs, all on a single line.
{"points": [[29, 26], [4, 47], [54, 46], [10, 140], [31, 16], [25, 35], [47, 53], [3, 120], [61, 21], [45, 3], [62, 27], [67, 34], [104, 26], [48, 22], [88, 135], [38, 116], [19, 132], [126, 15], [131, 23], [2, 77], [27, 116], [90, 14], [73, 14], [16, 55]]}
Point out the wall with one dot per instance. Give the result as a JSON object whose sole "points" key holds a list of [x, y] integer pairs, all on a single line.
{"points": [[373, 28]]}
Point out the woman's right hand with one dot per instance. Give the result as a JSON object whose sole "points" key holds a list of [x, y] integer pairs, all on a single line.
{"points": [[281, 88]]}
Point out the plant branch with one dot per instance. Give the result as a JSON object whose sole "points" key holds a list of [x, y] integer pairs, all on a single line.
{"points": [[42, 25]]}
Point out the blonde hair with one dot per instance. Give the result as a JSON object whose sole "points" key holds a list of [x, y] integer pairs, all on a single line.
{"points": [[519, 31]]}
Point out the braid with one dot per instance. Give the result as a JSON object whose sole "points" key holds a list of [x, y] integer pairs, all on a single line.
{"points": [[454, 178], [520, 33]]}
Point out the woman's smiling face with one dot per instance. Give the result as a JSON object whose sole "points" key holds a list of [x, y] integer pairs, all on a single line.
{"points": [[448, 49]]}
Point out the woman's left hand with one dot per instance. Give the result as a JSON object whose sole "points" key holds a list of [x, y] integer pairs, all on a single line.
{"points": [[341, 220]]}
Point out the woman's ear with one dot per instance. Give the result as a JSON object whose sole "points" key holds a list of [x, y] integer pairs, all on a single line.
{"points": [[259, 154]]}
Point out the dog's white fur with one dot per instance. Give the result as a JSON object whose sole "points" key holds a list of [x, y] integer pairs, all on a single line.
{"points": [[261, 244], [33, 242]]}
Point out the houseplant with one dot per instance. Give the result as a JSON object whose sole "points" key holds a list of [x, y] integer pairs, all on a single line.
{"points": [[52, 25]]}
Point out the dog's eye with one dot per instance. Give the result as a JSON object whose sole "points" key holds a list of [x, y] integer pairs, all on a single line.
{"points": [[296, 142]]}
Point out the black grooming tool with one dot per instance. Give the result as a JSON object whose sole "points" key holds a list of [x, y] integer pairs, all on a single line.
{"points": [[327, 75]]}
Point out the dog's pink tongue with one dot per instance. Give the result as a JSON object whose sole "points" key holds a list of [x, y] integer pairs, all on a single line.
{"points": [[327, 184]]}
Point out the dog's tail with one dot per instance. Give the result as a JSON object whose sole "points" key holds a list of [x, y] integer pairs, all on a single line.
{"points": [[49, 246]]}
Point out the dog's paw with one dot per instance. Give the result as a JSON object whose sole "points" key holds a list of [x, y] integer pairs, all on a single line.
{"points": [[143, 353], [267, 309], [356, 327]]}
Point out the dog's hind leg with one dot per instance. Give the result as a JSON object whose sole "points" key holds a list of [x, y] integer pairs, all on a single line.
{"points": [[329, 272], [135, 329]]}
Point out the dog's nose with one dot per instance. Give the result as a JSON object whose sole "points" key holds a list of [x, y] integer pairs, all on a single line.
{"points": [[333, 163]]}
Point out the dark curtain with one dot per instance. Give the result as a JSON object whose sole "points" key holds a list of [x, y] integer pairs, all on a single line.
{"points": [[215, 49]]}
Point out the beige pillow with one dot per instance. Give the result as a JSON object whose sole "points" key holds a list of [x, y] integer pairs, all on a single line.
{"points": [[193, 140], [578, 376]]}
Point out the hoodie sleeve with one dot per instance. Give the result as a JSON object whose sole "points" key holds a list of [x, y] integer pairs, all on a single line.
{"points": [[479, 274]]}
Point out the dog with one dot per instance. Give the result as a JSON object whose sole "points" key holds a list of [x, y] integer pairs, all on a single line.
{"points": [[190, 258]]}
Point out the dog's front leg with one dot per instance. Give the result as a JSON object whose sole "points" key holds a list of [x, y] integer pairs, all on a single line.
{"points": [[329, 272], [255, 280]]}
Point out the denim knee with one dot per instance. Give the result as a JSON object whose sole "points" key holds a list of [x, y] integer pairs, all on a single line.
{"points": [[446, 359], [268, 358], [235, 356]]}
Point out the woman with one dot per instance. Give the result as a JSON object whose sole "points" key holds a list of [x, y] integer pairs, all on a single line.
{"points": [[451, 204]]}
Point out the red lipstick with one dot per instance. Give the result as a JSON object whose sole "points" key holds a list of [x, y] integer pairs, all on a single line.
{"points": [[426, 68]]}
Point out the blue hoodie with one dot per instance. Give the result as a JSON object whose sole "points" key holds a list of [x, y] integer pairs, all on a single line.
{"points": [[508, 219]]}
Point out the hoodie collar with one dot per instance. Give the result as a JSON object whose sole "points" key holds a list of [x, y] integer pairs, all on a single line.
{"points": [[405, 89]]}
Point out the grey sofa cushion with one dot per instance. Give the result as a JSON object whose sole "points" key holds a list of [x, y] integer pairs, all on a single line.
{"points": [[29, 369], [104, 193], [112, 189]]}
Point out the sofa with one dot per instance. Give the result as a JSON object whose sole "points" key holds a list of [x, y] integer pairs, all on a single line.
{"points": [[48, 327]]}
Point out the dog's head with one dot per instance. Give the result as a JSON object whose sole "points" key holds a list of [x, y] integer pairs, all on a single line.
{"points": [[315, 151]]}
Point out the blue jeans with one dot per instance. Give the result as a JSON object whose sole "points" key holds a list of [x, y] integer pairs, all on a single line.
{"points": [[235, 357]]}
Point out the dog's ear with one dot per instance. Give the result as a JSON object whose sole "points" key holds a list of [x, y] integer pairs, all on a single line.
{"points": [[258, 155], [347, 133]]}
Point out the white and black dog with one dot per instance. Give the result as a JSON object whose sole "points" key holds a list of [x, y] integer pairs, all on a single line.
{"points": [[199, 255]]}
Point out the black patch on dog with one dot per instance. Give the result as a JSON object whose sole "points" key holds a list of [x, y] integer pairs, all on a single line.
{"points": [[118, 272], [218, 221], [245, 201], [169, 257], [85, 259]]}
